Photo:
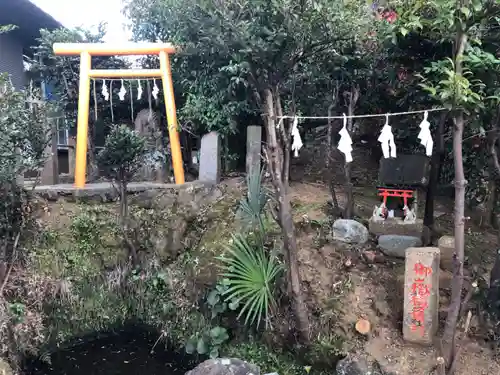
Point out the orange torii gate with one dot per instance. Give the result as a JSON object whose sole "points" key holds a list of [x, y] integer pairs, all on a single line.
{"points": [[86, 51]]}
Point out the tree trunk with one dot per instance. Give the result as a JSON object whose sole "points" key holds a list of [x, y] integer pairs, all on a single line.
{"points": [[275, 166], [459, 219], [285, 138], [435, 173], [330, 166], [349, 206], [494, 175], [124, 221]]}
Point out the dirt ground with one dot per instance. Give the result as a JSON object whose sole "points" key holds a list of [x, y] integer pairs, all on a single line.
{"points": [[344, 294]]}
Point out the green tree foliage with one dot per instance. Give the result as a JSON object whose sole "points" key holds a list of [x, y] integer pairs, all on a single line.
{"points": [[7, 28], [25, 124], [23, 140], [232, 50], [456, 83]]}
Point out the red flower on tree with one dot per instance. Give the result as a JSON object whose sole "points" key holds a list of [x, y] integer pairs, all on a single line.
{"points": [[390, 16]]}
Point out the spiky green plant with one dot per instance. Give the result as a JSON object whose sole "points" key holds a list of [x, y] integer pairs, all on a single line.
{"points": [[250, 273], [251, 208]]}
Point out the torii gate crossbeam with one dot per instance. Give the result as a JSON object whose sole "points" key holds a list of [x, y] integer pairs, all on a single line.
{"points": [[86, 51]]}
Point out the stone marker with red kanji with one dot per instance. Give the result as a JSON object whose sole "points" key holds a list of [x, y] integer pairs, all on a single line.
{"points": [[421, 298]]}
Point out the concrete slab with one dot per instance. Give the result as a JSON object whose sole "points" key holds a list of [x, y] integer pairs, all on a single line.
{"points": [[103, 191]]}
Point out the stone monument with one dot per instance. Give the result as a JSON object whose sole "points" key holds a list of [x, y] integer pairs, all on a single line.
{"points": [[446, 246], [254, 144], [210, 163], [421, 295], [147, 124]]}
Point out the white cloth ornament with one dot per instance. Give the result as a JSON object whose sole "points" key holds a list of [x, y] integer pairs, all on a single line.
{"points": [[155, 91], [139, 89], [122, 92], [345, 142], [425, 135], [297, 141], [386, 140], [105, 91]]}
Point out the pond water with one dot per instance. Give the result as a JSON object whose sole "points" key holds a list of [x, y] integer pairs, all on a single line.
{"points": [[128, 351]]}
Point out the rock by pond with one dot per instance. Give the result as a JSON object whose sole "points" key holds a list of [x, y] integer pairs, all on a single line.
{"points": [[128, 351], [225, 366]]}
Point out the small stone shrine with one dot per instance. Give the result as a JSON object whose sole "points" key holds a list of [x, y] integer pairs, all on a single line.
{"points": [[400, 178], [421, 295]]}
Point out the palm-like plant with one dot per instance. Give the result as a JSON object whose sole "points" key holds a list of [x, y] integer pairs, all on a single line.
{"points": [[250, 273], [252, 206]]}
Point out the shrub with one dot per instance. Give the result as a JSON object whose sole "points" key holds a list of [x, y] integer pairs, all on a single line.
{"points": [[121, 158], [23, 140]]}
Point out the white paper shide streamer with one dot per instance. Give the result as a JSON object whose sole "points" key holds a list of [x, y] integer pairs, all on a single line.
{"points": [[297, 141], [345, 142], [425, 135], [105, 91], [155, 91], [139, 90], [386, 140], [122, 92]]}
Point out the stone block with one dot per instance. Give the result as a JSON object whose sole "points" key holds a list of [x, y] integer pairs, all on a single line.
{"points": [[349, 231], [210, 163], [445, 279], [421, 296], [396, 226], [254, 145], [396, 245], [446, 245]]}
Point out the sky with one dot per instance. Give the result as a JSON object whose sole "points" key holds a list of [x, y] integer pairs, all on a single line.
{"points": [[88, 13]]}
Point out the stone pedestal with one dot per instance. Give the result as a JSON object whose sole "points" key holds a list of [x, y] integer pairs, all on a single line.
{"points": [[210, 163], [254, 144], [396, 226], [421, 296], [71, 156], [50, 171], [446, 246]]}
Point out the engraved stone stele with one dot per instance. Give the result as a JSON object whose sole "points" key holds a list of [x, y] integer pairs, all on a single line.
{"points": [[421, 294], [210, 163], [254, 144]]}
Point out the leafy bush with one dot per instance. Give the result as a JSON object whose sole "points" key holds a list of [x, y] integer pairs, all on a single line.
{"points": [[207, 342], [122, 155], [250, 273], [23, 140], [121, 158]]}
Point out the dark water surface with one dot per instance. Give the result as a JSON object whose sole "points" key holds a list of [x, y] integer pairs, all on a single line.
{"points": [[125, 352]]}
